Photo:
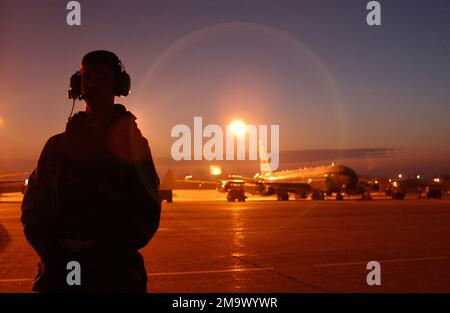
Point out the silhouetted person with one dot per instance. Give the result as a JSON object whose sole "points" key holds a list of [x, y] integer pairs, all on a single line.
{"points": [[93, 196]]}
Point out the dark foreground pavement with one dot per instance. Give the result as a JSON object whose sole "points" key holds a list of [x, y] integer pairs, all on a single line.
{"points": [[296, 246]]}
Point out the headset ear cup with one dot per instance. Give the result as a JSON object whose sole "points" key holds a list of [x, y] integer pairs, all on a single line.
{"points": [[123, 84], [75, 86]]}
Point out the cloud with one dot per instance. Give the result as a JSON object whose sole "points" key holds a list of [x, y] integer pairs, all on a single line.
{"points": [[320, 155]]}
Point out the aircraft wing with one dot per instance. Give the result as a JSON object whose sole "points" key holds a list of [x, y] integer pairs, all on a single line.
{"points": [[17, 185], [195, 184], [14, 176], [223, 184]]}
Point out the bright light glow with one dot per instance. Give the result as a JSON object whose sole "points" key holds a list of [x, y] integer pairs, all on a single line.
{"points": [[399, 175], [238, 127], [215, 170], [395, 184], [376, 182], [390, 180], [26, 182], [418, 176], [436, 180], [187, 177]]}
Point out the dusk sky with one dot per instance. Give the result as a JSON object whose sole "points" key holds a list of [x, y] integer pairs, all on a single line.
{"points": [[313, 67]]}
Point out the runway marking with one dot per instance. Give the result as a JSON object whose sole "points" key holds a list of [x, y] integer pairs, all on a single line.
{"points": [[18, 280], [385, 261], [15, 280], [9, 216], [213, 271], [164, 229]]}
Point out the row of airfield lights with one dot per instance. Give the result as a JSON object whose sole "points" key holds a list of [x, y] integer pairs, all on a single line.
{"points": [[400, 176]]}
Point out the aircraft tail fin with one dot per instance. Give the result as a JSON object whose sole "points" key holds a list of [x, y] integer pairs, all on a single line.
{"points": [[264, 160]]}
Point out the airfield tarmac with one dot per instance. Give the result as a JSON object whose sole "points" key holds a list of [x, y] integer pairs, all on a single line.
{"points": [[205, 244]]}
